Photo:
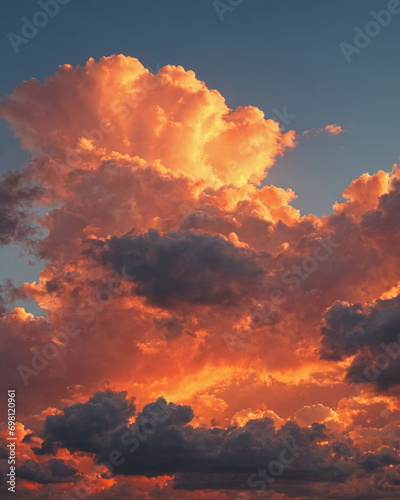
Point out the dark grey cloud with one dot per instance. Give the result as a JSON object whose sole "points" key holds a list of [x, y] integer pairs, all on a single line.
{"points": [[173, 326], [15, 198], [188, 267], [383, 224], [377, 460], [162, 441], [53, 471], [372, 334], [82, 424]]}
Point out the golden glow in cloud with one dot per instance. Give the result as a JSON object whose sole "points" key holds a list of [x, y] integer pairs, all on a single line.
{"points": [[168, 272]]}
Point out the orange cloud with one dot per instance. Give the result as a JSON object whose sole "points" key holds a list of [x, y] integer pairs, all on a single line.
{"points": [[330, 129], [334, 129], [170, 118], [168, 271]]}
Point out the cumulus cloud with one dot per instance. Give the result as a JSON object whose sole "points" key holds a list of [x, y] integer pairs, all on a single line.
{"points": [[315, 413], [170, 117], [52, 471], [333, 129], [162, 441], [80, 423], [184, 266], [370, 333], [170, 270]]}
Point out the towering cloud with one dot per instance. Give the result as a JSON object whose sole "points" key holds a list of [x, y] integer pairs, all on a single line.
{"points": [[192, 314], [117, 105]]}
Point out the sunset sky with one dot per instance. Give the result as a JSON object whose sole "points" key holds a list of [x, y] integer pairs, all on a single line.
{"points": [[199, 228]]}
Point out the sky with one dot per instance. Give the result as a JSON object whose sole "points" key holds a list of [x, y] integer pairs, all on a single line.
{"points": [[199, 226]]}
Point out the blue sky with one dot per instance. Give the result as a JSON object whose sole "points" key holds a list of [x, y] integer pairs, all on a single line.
{"points": [[269, 54]]}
